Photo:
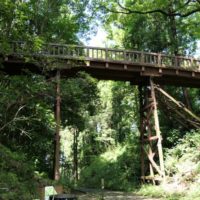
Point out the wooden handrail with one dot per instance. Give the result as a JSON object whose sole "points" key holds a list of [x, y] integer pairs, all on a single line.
{"points": [[106, 54]]}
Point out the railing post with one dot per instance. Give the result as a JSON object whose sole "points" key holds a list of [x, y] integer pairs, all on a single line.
{"points": [[106, 54], [88, 52], [198, 65], [159, 60], [176, 62], [124, 52], [142, 57], [192, 65]]}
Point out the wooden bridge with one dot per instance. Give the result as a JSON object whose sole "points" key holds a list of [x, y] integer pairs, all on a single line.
{"points": [[104, 63], [140, 68]]}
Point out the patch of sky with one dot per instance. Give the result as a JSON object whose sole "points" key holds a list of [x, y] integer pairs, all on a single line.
{"points": [[197, 53], [98, 38]]}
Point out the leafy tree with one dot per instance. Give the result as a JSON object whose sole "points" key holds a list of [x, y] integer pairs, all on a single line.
{"points": [[43, 21], [111, 133], [159, 27], [27, 118], [79, 98], [125, 108], [16, 176]]}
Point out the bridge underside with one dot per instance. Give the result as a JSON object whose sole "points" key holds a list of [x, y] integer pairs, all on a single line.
{"points": [[136, 73]]}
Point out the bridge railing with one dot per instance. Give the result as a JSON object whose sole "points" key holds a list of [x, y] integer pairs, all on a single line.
{"points": [[106, 54]]}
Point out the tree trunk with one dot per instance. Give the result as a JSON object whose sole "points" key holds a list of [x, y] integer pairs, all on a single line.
{"points": [[173, 32], [175, 48], [75, 155]]}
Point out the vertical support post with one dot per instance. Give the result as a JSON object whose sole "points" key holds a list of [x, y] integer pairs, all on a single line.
{"points": [[157, 129], [56, 175], [142, 153]]}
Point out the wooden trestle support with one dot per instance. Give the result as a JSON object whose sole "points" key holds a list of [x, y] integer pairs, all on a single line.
{"points": [[151, 140]]}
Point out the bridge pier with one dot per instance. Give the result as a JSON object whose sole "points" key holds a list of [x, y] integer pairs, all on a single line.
{"points": [[56, 167], [152, 162]]}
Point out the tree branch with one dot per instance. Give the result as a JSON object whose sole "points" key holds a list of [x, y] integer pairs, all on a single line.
{"points": [[129, 11], [125, 10], [14, 118]]}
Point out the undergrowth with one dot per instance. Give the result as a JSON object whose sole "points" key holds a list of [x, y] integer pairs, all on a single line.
{"points": [[182, 165], [114, 168], [16, 176]]}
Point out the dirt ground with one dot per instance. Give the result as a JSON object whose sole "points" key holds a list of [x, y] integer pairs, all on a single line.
{"points": [[113, 196]]}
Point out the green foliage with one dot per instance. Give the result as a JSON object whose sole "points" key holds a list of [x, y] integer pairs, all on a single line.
{"points": [[183, 159], [125, 119], [159, 26], [183, 171], [45, 21], [16, 176], [114, 167], [82, 95], [158, 191], [100, 119], [110, 131], [27, 119]]}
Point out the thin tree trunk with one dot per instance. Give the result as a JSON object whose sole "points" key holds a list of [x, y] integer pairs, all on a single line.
{"points": [[173, 32], [175, 49], [75, 154]]}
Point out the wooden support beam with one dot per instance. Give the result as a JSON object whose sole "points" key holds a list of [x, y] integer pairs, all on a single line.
{"points": [[152, 138], [141, 100], [157, 129], [183, 117], [151, 154], [56, 175], [156, 167], [180, 105], [151, 178]]}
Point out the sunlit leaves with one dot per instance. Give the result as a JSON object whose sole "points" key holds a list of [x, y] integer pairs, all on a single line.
{"points": [[48, 20], [158, 26]]}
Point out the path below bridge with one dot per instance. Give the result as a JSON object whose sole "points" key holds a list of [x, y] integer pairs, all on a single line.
{"points": [[112, 195]]}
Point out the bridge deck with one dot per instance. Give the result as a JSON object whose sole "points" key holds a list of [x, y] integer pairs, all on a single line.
{"points": [[104, 63]]}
